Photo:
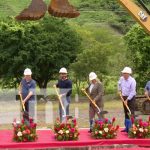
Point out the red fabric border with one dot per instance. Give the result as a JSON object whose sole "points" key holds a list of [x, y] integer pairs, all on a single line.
{"points": [[46, 140]]}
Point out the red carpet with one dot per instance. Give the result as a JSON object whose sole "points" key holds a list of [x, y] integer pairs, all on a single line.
{"points": [[46, 140]]}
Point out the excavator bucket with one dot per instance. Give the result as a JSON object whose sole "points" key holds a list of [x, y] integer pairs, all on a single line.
{"points": [[35, 11], [62, 8]]}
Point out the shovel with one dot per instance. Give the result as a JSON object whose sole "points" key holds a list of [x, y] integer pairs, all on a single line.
{"points": [[62, 106], [25, 113], [93, 102]]}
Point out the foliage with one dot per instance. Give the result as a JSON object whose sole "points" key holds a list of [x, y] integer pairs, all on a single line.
{"points": [[67, 130], [44, 46], [105, 50], [139, 129], [23, 132], [104, 129], [138, 44]]}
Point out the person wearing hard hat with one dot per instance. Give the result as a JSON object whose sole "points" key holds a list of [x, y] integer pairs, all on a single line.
{"points": [[147, 90], [127, 89], [65, 86], [27, 91], [95, 91]]}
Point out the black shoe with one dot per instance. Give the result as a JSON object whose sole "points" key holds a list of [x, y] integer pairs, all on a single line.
{"points": [[90, 131]]}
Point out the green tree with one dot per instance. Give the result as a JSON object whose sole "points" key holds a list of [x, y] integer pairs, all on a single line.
{"points": [[44, 46], [138, 43]]}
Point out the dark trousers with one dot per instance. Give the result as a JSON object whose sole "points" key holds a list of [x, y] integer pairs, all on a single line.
{"points": [[131, 105], [30, 109]]}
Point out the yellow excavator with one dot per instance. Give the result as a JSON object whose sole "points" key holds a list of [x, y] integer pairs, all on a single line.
{"points": [[139, 11]]}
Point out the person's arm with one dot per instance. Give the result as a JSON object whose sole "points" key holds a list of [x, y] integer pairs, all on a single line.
{"points": [[132, 90], [146, 89], [57, 84], [100, 92], [28, 96], [31, 91]]}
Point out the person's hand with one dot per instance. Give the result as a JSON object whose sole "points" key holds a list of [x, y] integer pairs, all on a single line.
{"points": [[19, 92], [61, 95], [54, 85], [94, 101], [119, 93], [24, 101], [126, 102]]}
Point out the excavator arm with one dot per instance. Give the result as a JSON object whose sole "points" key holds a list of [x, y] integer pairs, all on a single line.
{"points": [[141, 14]]}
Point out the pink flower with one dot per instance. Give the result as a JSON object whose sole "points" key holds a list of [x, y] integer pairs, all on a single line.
{"points": [[72, 130], [145, 124]]}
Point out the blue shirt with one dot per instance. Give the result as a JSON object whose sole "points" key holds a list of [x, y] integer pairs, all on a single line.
{"points": [[65, 87], [26, 87], [147, 87], [127, 87]]}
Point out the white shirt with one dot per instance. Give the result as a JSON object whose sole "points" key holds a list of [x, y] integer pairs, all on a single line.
{"points": [[91, 87]]}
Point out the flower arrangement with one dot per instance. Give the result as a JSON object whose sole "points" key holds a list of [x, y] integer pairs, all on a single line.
{"points": [[139, 129], [104, 129], [67, 130], [23, 132]]}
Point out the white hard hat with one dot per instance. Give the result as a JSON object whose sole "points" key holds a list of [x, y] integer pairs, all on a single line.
{"points": [[127, 70], [63, 70], [27, 71], [92, 76]]}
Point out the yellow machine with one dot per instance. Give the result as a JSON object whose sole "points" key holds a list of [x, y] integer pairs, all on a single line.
{"points": [[140, 12]]}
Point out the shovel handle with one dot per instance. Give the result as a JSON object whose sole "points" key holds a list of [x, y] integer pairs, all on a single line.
{"points": [[60, 100], [22, 102], [92, 101], [124, 103]]}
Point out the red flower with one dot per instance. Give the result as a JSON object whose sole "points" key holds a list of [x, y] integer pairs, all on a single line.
{"points": [[74, 121], [24, 132], [109, 126], [62, 125], [28, 131], [132, 119], [113, 120], [106, 120], [31, 120], [22, 121], [117, 127]]}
